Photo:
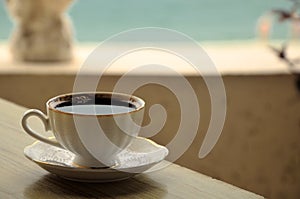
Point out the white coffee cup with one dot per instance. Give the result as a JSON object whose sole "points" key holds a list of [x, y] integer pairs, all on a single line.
{"points": [[95, 126]]}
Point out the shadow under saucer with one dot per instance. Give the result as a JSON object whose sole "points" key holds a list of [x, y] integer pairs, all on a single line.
{"points": [[51, 186]]}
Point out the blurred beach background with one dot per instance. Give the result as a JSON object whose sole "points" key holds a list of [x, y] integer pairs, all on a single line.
{"points": [[202, 20]]}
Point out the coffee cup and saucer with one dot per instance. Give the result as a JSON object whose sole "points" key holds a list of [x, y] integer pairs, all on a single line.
{"points": [[95, 137]]}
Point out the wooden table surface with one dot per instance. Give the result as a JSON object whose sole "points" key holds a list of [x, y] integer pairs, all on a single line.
{"points": [[20, 178]]}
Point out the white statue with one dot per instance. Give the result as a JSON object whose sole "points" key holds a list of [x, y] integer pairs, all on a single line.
{"points": [[42, 30]]}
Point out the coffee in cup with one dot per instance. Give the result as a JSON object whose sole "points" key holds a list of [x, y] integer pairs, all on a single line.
{"points": [[95, 126]]}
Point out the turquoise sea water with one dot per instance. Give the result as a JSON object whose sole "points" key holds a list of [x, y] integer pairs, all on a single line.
{"points": [[96, 20]]}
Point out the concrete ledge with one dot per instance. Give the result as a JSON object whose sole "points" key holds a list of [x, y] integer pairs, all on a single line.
{"points": [[240, 58]]}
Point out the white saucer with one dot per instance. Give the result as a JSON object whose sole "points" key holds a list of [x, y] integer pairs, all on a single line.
{"points": [[141, 155]]}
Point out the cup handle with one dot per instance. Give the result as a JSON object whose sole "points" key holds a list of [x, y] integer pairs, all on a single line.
{"points": [[45, 120]]}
